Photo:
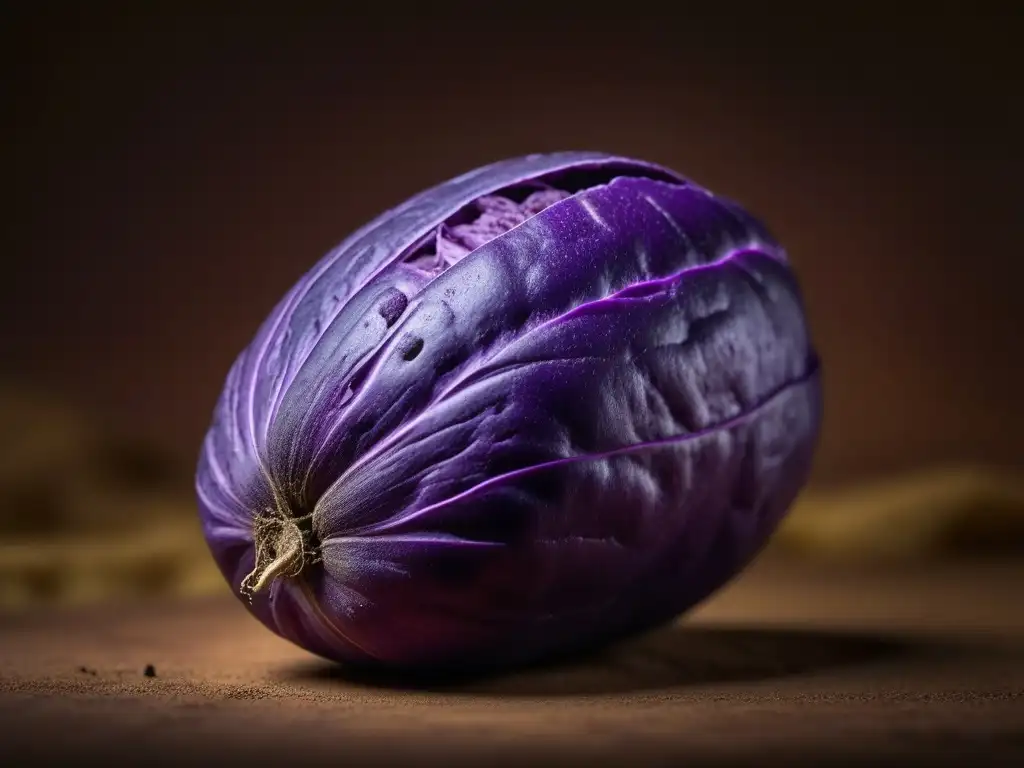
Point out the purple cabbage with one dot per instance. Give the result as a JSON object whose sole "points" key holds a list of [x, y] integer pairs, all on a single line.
{"points": [[546, 404]]}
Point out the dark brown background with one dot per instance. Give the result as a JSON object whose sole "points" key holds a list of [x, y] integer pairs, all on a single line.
{"points": [[170, 175]]}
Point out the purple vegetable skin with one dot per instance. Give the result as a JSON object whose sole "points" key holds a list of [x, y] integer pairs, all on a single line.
{"points": [[546, 404]]}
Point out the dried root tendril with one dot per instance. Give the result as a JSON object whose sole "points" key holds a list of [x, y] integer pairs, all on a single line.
{"points": [[284, 547]]}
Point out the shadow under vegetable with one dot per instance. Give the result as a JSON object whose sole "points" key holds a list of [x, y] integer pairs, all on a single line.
{"points": [[674, 657]]}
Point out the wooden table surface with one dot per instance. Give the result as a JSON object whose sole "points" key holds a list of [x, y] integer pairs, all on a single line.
{"points": [[788, 665]]}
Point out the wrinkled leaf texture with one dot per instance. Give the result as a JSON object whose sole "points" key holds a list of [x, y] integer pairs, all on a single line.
{"points": [[579, 430]]}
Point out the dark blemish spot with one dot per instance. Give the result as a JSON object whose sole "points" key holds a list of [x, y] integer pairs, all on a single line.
{"points": [[366, 324], [392, 306], [412, 349], [149, 671], [87, 671]]}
